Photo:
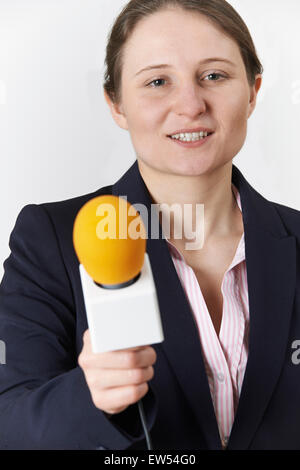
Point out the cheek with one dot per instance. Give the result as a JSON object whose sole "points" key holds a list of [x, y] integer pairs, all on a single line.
{"points": [[144, 123], [145, 116], [235, 112], [232, 118]]}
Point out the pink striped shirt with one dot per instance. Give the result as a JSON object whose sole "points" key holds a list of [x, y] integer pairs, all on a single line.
{"points": [[225, 356]]}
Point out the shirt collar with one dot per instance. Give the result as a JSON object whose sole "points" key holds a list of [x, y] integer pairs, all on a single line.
{"points": [[240, 251]]}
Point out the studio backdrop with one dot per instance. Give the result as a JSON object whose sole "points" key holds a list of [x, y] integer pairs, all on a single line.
{"points": [[57, 138]]}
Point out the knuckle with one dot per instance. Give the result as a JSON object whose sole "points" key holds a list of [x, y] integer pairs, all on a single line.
{"points": [[153, 356], [98, 400], [144, 390], [92, 382], [151, 373], [136, 375], [85, 335], [136, 392], [82, 360], [133, 394], [130, 359]]}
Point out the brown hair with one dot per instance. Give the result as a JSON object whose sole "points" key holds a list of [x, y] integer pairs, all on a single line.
{"points": [[220, 12]]}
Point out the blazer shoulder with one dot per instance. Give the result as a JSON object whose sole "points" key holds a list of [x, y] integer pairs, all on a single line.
{"points": [[60, 214], [290, 218], [67, 206], [63, 213]]}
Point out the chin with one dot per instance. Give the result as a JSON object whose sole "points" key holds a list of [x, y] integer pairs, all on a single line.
{"points": [[192, 168], [183, 166]]}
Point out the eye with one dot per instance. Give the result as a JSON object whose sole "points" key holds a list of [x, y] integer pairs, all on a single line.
{"points": [[159, 82], [215, 74], [156, 83]]}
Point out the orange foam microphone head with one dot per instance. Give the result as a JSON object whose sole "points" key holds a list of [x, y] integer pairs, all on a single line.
{"points": [[109, 239]]}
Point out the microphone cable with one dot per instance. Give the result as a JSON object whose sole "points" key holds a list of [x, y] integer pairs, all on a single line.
{"points": [[144, 424]]}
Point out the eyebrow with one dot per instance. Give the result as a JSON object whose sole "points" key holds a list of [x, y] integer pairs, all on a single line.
{"points": [[202, 62]]}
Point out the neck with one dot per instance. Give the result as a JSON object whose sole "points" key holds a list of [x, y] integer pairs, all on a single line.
{"points": [[222, 216]]}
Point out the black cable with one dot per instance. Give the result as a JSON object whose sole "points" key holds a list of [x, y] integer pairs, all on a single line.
{"points": [[143, 420]]}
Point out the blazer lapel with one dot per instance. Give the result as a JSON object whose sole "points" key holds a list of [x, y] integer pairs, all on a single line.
{"points": [[271, 273], [182, 344]]}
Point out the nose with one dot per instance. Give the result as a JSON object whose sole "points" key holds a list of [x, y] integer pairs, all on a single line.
{"points": [[189, 100]]}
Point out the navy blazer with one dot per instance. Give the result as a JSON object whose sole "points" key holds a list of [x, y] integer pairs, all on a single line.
{"points": [[45, 402]]}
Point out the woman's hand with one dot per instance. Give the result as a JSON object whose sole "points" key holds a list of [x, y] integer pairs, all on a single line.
{"points": [[116, 379]]}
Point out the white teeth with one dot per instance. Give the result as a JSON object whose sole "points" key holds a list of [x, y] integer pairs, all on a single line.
{"points": [[190, 136]]}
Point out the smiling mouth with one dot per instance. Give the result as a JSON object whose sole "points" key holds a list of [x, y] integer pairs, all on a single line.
{"points": [[191, 140], [190, 137]]}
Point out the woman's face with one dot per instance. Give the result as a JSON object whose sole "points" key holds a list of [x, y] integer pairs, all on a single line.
{"points": [[180, 73]]}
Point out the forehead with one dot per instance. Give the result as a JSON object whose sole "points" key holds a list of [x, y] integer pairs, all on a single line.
{"points": [[176, 35]]}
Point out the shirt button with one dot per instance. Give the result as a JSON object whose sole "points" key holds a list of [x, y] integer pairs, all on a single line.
{"points": [[225, 441], [221, 377]]}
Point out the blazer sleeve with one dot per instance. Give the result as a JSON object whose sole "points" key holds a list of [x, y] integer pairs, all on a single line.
{"points": [[45, 402]]}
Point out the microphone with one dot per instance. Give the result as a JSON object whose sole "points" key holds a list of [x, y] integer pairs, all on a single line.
{"points": [[119, 293]]}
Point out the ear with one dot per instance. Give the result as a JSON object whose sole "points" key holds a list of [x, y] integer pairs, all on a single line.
{"points": [[116, 112], [253, 94]]}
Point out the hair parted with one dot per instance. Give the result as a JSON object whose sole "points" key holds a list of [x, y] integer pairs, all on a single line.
{"points": [[219, 12]]}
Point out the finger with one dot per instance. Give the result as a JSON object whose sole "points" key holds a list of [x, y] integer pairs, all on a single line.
{"points": [[110, 378], [122, 359], [111, 399]]}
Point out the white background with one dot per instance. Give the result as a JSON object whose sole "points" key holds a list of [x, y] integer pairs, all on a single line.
{"points": [[57, 138]]}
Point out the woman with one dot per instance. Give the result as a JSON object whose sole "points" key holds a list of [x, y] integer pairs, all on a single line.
{"points": [[182, 77]]}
